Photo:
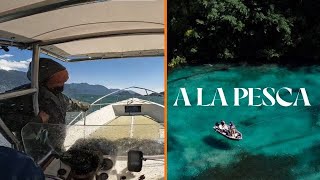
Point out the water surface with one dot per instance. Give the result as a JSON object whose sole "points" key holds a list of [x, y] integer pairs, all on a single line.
{"points": [[278, 142]]}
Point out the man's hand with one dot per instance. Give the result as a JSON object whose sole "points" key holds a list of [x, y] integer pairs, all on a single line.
{"points": [[44, 117], [84, 106]]}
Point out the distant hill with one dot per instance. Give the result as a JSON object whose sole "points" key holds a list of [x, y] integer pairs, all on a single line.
{"points": [[12, 79], [88, 89], [85, 88], [156, 94]]}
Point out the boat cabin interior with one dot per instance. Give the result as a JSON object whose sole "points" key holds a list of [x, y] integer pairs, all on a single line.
{"points": [[112, 141]]}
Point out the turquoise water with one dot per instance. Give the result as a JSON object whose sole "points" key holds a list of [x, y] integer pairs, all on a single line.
{"points": [[278, 142]]}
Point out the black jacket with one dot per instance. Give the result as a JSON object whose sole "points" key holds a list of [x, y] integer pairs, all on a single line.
{"points": [[17, 112]]}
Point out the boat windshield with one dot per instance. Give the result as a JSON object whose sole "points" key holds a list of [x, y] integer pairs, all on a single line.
{"points": [[115, 140]]}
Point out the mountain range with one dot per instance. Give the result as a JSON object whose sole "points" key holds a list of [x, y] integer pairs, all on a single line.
{"points": [[13, 78]]}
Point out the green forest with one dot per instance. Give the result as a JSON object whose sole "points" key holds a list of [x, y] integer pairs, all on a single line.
{"points": [[236, 31]]}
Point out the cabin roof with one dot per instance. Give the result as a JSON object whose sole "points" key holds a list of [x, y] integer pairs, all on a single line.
{"points": [[84, 29]]}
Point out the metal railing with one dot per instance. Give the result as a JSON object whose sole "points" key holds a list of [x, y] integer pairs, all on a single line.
{"points": [[84, 114]]}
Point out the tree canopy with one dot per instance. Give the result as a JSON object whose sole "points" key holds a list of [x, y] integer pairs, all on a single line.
{"points": [[204, 31]]}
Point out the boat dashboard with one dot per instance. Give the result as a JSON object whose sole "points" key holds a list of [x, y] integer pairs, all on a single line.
{"points": [[109, 169], [77, 153]]}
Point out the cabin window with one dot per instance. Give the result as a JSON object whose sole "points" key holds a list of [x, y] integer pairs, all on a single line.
{"points": [[132, 109], [4, 141], [14, 64]]}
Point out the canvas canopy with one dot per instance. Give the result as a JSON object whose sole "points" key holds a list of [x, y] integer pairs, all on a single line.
{"points": [[82, 30]]}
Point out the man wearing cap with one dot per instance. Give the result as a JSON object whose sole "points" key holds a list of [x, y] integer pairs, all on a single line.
{"points": [[53, 105]]}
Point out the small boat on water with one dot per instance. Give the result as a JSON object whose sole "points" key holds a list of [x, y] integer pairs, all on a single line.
{"points": [[225, 130]]}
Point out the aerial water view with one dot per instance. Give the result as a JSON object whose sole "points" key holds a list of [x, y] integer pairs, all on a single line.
{"points": [[278, 142], [243, 90]]}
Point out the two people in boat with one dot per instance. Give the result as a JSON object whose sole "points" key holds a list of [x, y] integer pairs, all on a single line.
{"points": [[228, 129]]}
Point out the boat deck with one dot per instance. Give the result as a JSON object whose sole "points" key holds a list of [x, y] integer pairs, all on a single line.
{"points": [[136, 126]]}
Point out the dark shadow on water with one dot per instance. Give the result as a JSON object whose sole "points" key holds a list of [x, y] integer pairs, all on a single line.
{"points": [[173, 143], [216, 143], [281, 141], [314, 151], [252, 167], [248, 122], [314, 111], [314, 164]]}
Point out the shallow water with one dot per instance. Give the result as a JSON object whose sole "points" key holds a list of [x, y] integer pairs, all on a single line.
{"points": [[278, 142]]}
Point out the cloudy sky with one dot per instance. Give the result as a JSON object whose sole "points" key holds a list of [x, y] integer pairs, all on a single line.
{"points": [[117, 73], [7, 64]]}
